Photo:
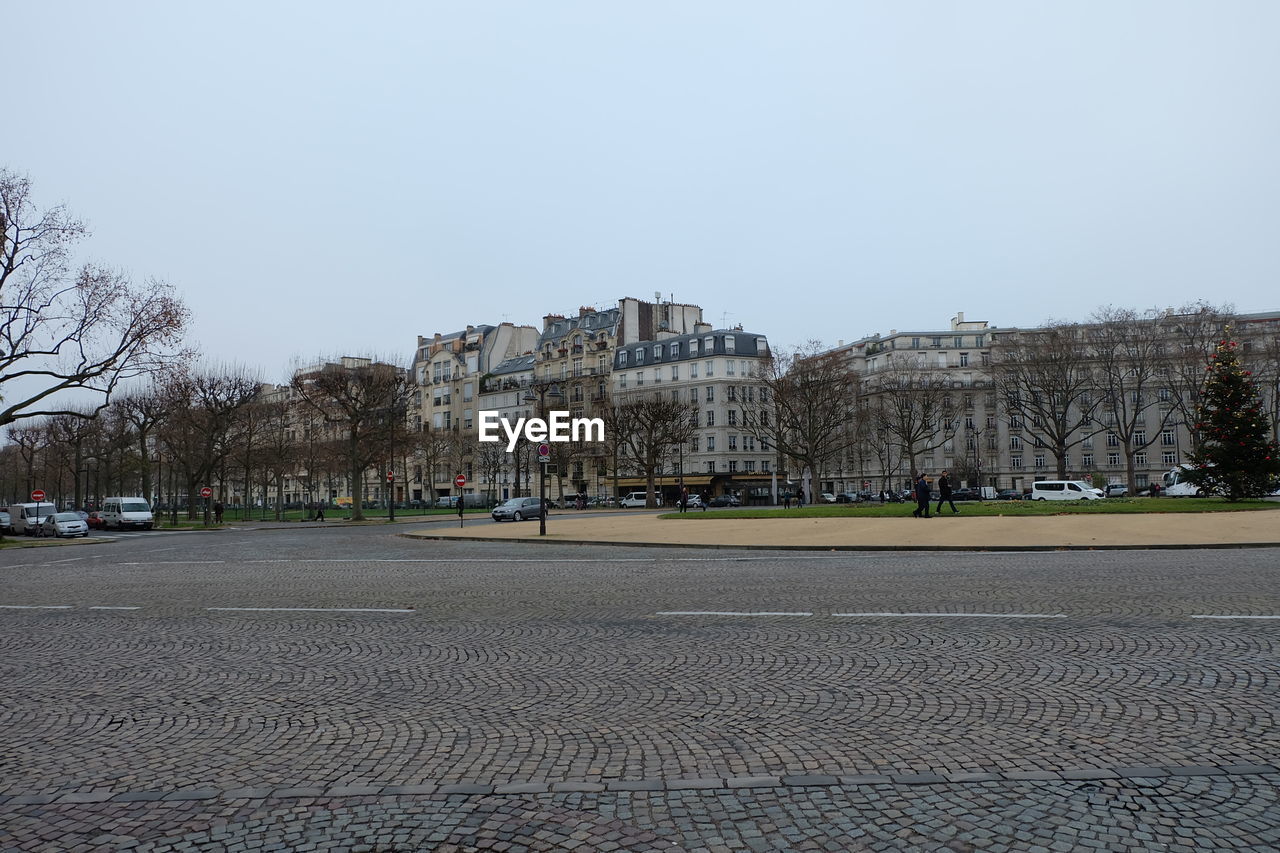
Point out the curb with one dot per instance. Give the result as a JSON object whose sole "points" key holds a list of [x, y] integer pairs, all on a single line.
{"points": [[851, 548]]}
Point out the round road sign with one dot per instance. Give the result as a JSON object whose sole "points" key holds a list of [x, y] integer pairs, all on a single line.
{"points": [[544, 451], [391, 476], [460, 481], [38, 495], [206, 492]]}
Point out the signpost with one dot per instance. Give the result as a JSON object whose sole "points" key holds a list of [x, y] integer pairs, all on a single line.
{"points": [[38, 496], [391, 495], [206, 493], [460, 481]]}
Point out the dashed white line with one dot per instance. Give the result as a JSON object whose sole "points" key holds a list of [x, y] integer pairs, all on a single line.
{"points": [[965, 615], [731, 613], [113, 607], [36, 606], [1231, 616], [315, 609], [179, 563]]}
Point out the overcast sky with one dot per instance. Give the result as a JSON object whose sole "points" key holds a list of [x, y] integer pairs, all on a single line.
{"points": [[325, 179]]}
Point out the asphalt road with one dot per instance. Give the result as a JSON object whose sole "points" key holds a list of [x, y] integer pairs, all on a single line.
{"points": [[303, 689]]}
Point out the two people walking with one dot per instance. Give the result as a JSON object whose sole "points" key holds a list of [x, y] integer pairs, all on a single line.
{"points": [[924, 494]]}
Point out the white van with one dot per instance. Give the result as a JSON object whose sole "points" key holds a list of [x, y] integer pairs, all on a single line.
{"points": [[27, 517], [119, 513], [635, 499], [1065, 490]]}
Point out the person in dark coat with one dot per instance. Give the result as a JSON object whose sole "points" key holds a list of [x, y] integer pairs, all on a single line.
{"points": [[922, 497], [944, 493], [800, 498]]}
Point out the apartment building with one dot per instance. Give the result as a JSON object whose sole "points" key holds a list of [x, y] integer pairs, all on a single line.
{"points": [[714, 371], [983, 442]]}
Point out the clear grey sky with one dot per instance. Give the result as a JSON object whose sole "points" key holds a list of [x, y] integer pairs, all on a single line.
{"points": [[325, 178]]}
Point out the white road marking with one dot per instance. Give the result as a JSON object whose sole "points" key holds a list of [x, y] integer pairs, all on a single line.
{"points": [[967, 615], [315, 609], [730, 613], [113, 607], [179, 563], [36, 606], [1237, 616], [70, 560]]}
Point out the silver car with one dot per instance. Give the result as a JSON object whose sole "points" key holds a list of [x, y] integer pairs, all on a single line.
{"points": [[517, 509], [63, 524]]}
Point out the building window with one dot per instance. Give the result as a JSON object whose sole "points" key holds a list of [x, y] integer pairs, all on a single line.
{"points": [[657, 352], [675, 372], [708, 345], [1166, 437], [693, 395], [1113, 440], [733, 442], [733, 417], [964, 359], [1015, 443], [675, 350], [1015, 461], [749, 443], [711, 466], [1139, 438], [711, 440], [728, 368], [711, 417], [733, 465], [711, 368], [622, 358], [1169, 458], [1113, 459], [749, 466], [711, 394], [693, 370], [730, 343], [1086, 460], [622, 380], [639, 378], [1140, 458], [764, 466], [1039, 460]]}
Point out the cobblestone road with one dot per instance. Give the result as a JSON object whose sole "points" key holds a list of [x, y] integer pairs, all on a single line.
{"points": [[325, 689]]}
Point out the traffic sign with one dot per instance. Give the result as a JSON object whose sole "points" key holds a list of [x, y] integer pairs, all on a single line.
{"points": [[206, 492], [37, 495], [460, 481], [544, 452], [391, 476]]}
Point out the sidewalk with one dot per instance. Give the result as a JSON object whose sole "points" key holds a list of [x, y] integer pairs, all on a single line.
{"points": [[1210, 529]]}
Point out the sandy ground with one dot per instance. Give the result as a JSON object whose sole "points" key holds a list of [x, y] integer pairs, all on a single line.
{"points": [[1210, 528]]}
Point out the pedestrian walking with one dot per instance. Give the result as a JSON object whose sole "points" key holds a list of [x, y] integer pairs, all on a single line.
{"points": [[684, 499], [319, 512], [706, 499], [944, 493], [922, 497], [800, 498], [786, 500], [217, 512]]}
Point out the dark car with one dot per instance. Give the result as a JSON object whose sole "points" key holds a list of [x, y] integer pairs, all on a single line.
{"points": [[1008, 495], [966, 494], [725, 500], [517, 509], [847, 498]]}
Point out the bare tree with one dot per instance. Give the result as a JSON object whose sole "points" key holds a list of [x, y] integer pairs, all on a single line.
{"points": [[68, 437], [1132, 377], [62, 330], [1193, 332], [278, 450], [364, 398], [808, 406], [1046, 380], [144, 411], [648, 426], [911, 405]]}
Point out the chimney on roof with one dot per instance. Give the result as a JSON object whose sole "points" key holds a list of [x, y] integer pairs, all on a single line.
{"points": [[584, 311], [700, 327]]}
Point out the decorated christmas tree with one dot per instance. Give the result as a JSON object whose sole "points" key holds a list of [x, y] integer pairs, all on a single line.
{"points": [[1237, 458]]}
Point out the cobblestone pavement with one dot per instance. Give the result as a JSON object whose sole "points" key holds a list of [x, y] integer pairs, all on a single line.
{"points": [[327, 689]]}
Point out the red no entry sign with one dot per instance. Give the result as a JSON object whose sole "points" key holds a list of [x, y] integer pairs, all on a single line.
{"points": [[206, 492], [37, 495], [460, 481]]}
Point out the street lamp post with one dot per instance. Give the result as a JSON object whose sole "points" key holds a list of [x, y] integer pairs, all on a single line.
{"points": [[543, 389]]}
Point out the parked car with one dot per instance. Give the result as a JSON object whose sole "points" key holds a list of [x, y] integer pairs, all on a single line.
{"points": [[1117, 490], [63, 524], [635, 499], [96, 521], [517, 509], [847, 498], [1065, 490], [447, 502], [602, 500], [966, 494], [725, 500], [6, 522], [695, 500], [1008, 495], [826, 498]]}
